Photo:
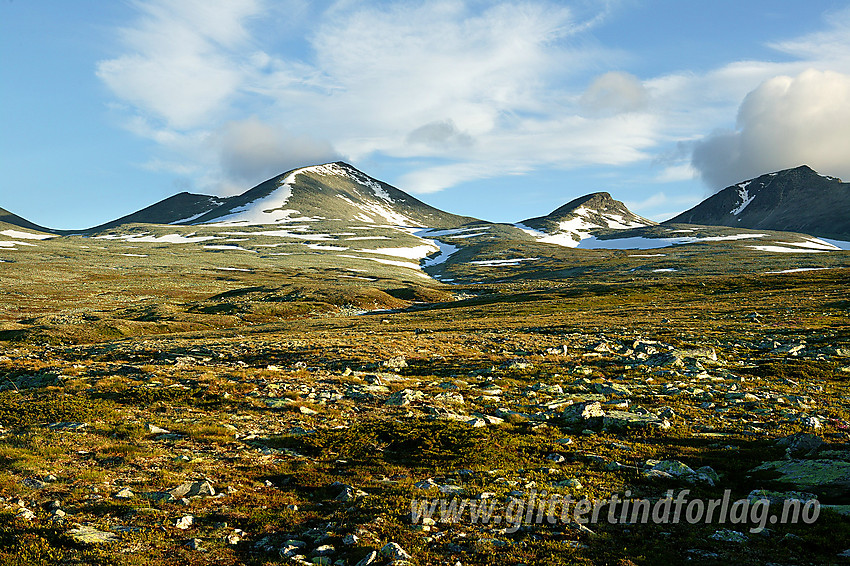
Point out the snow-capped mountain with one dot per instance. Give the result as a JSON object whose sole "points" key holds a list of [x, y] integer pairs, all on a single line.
{"points": [[582, 218], [333, 191], [793, 200]]}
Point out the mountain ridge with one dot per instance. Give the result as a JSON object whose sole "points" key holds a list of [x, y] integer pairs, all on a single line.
{"points": [[792, 200], [795, 200]]}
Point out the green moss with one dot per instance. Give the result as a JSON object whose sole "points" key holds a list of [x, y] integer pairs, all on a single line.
{"points": [[21, 410]]}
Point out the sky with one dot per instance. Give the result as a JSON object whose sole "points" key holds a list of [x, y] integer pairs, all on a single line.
{"points": [[498, 110]]}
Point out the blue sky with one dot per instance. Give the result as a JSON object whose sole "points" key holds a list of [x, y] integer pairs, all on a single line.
{"points": [[501, 110]]}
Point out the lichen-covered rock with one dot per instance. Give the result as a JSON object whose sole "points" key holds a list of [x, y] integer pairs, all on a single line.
{"points": [[578, 412], [828, 477]]}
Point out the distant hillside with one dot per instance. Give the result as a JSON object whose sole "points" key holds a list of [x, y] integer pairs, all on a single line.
{"points": [[178, 209], [793, 200], [15, 220], [334, 191], [583, 217]]}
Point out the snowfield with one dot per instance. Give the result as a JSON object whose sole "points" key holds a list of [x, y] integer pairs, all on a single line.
{"points": [[25, 235]]}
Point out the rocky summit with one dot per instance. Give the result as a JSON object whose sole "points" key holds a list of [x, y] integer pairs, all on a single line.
{"points": [[793, 200]]}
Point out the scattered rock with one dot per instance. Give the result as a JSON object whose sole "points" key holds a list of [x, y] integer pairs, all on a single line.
{"points": [[124, 493], [404, 397], [800, 445], [192, 489], [393, 551], [726, 535], [584, 411], [185, 522], [827, 477]]}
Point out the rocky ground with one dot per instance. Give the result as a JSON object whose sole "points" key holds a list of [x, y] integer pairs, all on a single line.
{"points": [[305, 441]]}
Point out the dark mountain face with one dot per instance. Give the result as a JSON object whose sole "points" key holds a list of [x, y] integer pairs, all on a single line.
{"points": [[794, 200], [181, 208], [15, 220]]}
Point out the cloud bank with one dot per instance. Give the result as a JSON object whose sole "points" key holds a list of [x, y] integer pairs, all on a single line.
{"points": [[785, 122], [233, 91]]}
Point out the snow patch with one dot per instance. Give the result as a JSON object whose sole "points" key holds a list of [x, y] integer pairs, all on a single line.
{"points": [[148, 238], [446, 251], [797, 270], [25, 235], [503, 262], [414, 266], [782, 249], [745, 197], [223, 247], [642, 243], [416, 252], [11, 244], [323, 247]]}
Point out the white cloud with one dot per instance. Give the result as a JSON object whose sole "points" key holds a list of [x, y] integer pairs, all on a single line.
{"points": [[783, 123], [178, 65], [236, 90], [252, 151], [614, 93], [456, 80]]}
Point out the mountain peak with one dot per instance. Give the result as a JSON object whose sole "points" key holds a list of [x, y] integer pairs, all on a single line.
{"points": [[334, 190], [583, 217], [794, 200]]}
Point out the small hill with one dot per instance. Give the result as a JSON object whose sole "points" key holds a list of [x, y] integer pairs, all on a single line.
{"points": [[581, 218]]}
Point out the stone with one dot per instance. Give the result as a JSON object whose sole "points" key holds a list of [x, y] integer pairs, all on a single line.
{"points": [[124, 493], [34, 483], [426, 484], [673, 467], [349, 493], [193, 489], [369, 559], [614, 420], [779, 497], [578, 412], [726, 535], [24, 514], [90, 535], [393, 551], [404, 397], [396, 363], [611, 389], [184, 522], [73, 427], [827, 477], [800, 445], [194, 544], [324, 550], [555, 457]]}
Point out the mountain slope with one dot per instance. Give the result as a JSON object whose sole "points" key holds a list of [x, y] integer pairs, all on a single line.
{"points": [[180, 208], [334, 191], [793, 200], [11, 219], [581, 218]]}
